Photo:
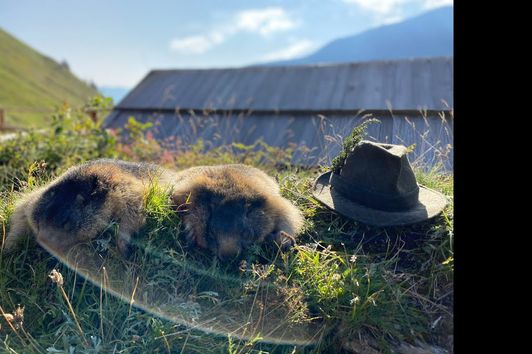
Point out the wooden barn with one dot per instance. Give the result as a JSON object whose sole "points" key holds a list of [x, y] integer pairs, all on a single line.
{"points": [[313, 106]]}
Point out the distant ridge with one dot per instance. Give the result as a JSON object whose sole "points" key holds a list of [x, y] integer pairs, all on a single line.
{"points": [[427, 35]]}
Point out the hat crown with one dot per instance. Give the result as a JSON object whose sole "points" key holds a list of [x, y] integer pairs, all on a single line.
{"points": [[382, 168], [378, 175]]}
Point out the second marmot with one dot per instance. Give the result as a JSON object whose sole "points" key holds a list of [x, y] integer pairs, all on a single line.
{"points": [[230, 207]]}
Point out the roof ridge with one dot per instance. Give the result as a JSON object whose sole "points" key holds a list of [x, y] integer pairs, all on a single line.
{"points": [[313, 65]]}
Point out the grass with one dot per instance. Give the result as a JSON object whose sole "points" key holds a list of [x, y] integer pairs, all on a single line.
{"points": [[345, 285], [32, 85]]}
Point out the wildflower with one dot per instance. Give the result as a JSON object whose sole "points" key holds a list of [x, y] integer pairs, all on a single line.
{"points": [[18, 316], [336, 277], [353, 259], [56, 277], [9, 317], [243, 266], [16, 319], [167, 157], [355, 300]]}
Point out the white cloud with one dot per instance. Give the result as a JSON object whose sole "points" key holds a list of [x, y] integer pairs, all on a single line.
{"points": [[391, 19], [430, 4], [261, 21], [386, 12], [217, 37], [379, 6], [389, 6], [264, 21], [191, 45], [292, 51]]}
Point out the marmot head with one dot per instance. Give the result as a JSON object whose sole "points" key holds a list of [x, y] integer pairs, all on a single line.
{"points": [[78, 205], [225, 213], [66, 211]]}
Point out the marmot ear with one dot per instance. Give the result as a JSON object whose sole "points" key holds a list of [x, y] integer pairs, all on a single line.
{"points": [[198, 189], [99, 185]]}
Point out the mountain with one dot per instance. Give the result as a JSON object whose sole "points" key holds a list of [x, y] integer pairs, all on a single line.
{"points": [[427, 35], [116, 93], [32, 84]]}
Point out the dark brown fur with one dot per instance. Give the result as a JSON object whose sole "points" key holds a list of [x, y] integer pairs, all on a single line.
{"points": [[230, 207], [81, 203], [225, 208]]}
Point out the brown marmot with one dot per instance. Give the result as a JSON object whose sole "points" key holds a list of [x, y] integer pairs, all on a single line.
{"points": [[224, 208], [82, 202], [230, 207]]}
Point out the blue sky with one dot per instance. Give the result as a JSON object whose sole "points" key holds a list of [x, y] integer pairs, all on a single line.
{"points": [[116, 42]]}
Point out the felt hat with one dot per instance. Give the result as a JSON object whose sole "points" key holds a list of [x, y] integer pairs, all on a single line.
{"points": [[376, 185]]}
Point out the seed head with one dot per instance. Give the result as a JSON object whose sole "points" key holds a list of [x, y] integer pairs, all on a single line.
{"points": [[9, 317], [56, 277], [18, 316]]}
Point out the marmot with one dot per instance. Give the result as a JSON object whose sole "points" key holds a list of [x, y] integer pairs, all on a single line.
{"points": [[82, 202], [230, 207], [224, 208]]}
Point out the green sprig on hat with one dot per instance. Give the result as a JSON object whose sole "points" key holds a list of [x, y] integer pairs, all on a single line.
{"points": [[356, 136]]}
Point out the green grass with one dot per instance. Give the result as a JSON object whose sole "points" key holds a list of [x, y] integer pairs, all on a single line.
{"points": [[342, 282], [32, 85]]}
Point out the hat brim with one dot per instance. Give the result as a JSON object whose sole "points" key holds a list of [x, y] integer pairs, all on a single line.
{"points": [[430, 203]]}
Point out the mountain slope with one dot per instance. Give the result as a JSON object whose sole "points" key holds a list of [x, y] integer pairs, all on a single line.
{"points": [[427, 35], [32, 84]]}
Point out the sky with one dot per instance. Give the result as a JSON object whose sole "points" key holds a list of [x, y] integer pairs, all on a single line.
{"points": [[117, 42]]}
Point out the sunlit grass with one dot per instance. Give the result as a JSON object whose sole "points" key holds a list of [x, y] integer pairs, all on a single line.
{"points": [[385, 285]]}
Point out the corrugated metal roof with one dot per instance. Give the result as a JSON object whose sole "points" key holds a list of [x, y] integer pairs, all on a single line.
{"points": [[401, 84]]}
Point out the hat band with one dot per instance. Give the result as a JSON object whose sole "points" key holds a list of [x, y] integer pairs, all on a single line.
{"points": [[373, 199]]}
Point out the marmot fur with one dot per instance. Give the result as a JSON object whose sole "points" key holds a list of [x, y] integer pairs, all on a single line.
{"points": [[224, 208], [230, 207]]}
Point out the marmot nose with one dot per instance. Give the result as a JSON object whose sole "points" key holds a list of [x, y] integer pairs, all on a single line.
{"points": [[228, 248], [227, 257]]}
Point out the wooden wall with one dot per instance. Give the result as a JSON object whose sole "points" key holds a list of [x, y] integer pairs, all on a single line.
{"points": [[432, 134]]}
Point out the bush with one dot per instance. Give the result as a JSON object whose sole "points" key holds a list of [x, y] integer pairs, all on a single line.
{"points": [[72, 138]]}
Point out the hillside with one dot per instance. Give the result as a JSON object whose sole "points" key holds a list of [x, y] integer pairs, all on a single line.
{"points": [[427, 35], [31, 84]]}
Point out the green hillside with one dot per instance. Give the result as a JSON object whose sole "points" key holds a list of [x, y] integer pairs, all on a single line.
{"points": [[31, 84]]}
